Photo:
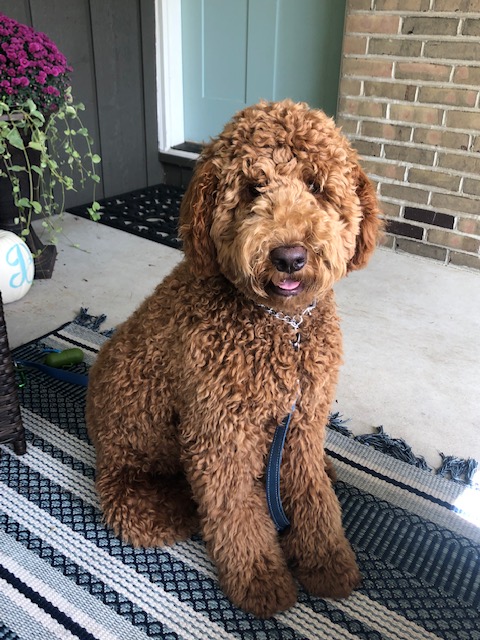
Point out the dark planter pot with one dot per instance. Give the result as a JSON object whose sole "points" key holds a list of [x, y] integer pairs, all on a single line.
{"points": [[45, 261]]}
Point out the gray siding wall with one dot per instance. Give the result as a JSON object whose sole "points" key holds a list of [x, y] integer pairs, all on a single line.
{"points": [[111, 46]]}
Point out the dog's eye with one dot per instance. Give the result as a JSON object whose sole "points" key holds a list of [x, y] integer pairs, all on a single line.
{"points": [[253, 190], [314, 188]]}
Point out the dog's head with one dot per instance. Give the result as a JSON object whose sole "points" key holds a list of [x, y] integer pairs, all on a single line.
{"points": [[280, 206]]}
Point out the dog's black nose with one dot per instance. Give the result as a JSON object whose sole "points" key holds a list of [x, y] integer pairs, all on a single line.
{"points": [[288, 259]]}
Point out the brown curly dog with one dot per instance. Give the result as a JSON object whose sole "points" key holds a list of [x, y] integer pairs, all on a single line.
{"points": [[184, 400]]}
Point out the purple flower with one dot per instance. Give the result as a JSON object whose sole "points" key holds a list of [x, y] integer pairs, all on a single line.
{"points": [[52, 91], [20, 82], [31, 66], [34, 47], [41, 77]]}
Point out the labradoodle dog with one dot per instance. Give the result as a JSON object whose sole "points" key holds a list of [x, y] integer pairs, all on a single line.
{"points": [[184, 400]]}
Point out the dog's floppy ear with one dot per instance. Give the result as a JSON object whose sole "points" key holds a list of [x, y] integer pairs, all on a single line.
{"points": [[196, 215], [371, 226]]}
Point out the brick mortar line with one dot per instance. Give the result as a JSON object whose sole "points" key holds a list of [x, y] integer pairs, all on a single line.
{"points": [[431, 190], [407, 103], [418, 84], [429, 243], [422, 187], [446, 262], [428, 207], [457, 62], [413, 165], [417, 145], [413, 37], [403, 123], [427, 227], [434, 169], [431, 84], [416, 223], [414, 14], [413, 81]]}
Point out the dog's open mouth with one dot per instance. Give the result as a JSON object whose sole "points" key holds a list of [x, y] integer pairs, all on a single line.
{"points": [[286, 287]]}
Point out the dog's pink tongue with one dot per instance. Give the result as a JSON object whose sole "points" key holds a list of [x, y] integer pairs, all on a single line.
{"points": [[288, 285]]}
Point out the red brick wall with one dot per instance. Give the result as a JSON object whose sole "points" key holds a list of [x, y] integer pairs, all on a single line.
{"points": [[409, 101]]}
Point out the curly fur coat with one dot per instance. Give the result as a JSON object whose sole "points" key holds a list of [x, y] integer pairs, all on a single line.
{"points": [[184, 399]]}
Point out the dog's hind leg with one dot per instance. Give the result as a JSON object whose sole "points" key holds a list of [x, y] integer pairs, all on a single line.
{"points": [[146, 509], [139, 478]]}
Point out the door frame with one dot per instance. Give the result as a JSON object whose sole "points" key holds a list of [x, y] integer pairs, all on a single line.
{"points": [[169, 74], [171, 131]]}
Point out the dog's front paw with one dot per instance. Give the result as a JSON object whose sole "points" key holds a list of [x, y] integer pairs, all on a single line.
{"points": [[264, 594], [337, 578]]}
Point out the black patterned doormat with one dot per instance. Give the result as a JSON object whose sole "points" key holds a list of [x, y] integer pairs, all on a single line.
{"points": [[150, 213]]}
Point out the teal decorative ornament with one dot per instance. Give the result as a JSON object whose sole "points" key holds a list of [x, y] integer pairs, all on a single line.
{"points": [[16, 267]]}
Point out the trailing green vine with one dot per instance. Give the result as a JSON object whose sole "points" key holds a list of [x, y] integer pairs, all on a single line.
{"points": [[57, 155], [45, 149]]}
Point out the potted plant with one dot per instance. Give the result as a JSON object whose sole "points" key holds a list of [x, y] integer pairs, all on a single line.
{"points": [[45, 149]]}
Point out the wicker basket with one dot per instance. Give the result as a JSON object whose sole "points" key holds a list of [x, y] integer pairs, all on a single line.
{"points": [[11, 427]]}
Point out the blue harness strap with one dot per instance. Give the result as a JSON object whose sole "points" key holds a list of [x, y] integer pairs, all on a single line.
{"points": [[272, 481], [60, 374]]}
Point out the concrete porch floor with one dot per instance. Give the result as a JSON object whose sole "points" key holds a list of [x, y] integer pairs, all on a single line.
{"points": [[411, 331]]}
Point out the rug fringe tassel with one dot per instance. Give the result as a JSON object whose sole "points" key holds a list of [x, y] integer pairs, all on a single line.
{"points": [[338, 423], [395, 447], [456, 469], [84, 319]]}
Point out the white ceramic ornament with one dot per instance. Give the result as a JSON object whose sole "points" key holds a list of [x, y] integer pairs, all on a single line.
{"points": [[16, 267]]}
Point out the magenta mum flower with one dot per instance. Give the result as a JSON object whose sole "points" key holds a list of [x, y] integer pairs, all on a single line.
{"points": [[20, 82], [52, 91], [33, 47], [41, 77], [31, 66]]}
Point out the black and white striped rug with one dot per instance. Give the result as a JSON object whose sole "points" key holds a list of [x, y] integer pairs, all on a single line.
{"points": [[64, 575]]}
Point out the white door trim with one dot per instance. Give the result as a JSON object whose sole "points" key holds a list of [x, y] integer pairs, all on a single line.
{"points": [[168, 16]]}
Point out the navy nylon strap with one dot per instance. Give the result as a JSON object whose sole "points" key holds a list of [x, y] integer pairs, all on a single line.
{"points": [[272, 481], [59, 374]]}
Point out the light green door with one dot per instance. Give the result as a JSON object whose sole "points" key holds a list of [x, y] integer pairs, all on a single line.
{"points": [[238, 51]]}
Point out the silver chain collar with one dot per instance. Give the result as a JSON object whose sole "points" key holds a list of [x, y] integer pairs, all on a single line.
{"points": [[293, 321]]}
